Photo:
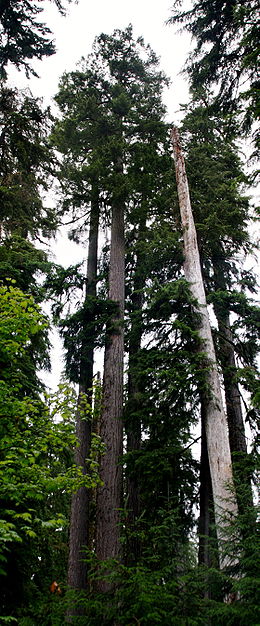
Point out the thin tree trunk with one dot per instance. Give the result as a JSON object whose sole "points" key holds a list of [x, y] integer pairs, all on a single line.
{"points": [[79, 520], [206, 499], [109, 496], [236, 427], [133, 422], [215, 418]]}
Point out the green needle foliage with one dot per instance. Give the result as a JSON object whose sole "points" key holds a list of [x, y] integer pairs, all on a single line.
{"points": [[22, 36], [112, 105], [26, 163], [226, 34]]}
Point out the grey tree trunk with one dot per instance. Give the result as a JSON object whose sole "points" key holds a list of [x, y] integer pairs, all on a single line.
{"points": [[109, 496], [79, 519], [215, 418]]}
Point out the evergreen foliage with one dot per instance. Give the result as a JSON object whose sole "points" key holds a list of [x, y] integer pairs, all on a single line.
{"points": [[114, 151], [226, 52], [165, 372], [22, 36]]}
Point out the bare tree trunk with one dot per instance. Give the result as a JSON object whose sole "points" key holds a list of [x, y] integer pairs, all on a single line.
{"points": [[79, 520], [109, 496], [215, 418]]}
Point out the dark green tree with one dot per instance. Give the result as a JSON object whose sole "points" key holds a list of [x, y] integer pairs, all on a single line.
{"points": [[226, 52], [112, 112], [22, 36], [26, 163], [102, 118], [223, 214]]}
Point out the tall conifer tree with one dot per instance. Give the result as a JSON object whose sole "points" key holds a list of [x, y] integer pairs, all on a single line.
{"points": [[215, 421]]}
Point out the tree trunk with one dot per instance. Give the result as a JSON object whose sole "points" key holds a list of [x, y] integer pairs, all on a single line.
{"points": [[79, 520], [206, 518], [109, 496], [215, 419], [236, 428], [133, 422]]}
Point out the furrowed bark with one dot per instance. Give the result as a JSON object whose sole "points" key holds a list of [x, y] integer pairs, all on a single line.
{"points": [[79, 520], [133, 422], [225, 505], [109, 496]]}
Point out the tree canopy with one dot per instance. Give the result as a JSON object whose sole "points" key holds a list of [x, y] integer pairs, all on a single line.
{"points": [[225, 55], [114, 503]]}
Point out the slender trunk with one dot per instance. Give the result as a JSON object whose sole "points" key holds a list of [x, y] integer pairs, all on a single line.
{"points": [[133, 422], [109, 496], [206, 498], [236, 428], [208, 553], [215, 418], [79, 520], [93, 492]]}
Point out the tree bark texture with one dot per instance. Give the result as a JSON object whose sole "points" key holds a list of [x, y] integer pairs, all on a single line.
{"points": [[215, 418], [109, 496], [133, 422], [79, 519]]}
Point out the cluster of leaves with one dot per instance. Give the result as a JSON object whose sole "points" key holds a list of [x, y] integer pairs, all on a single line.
{"points": [[37, 438]]}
